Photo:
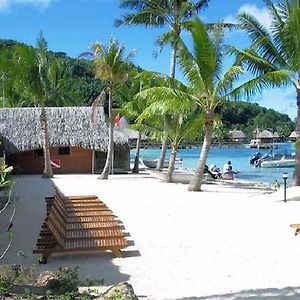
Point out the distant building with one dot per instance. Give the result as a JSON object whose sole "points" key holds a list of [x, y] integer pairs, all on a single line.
{"points": [[237, 136], [293, 136], [78, 142]]}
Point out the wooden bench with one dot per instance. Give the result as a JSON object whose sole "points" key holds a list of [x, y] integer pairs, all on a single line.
{"points": [[71, 227]]}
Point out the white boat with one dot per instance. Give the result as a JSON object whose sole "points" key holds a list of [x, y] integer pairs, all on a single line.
{"points": [[152, 163], [257, 143], [178, 177], [279, 163]]}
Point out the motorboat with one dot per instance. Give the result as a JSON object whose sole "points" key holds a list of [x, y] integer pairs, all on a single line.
{"points": [[279, 163], [258, 144]]}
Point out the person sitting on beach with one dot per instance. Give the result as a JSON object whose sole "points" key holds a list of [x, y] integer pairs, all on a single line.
{"points": [[207, 171], [227, 169], [215, 171]]}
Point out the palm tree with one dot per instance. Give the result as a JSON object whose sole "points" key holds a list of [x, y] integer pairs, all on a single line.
{"points": [[207, 85], [160, 13], [132, 108], [274, 55], [180, 121], [40, 81], [35, 68], [112, 68]]}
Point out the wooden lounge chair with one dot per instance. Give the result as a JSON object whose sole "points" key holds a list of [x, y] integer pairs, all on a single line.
{"points": [[70, 228]]}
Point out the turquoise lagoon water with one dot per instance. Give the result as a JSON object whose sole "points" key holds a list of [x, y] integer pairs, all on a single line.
{"points": [[238, 155]]}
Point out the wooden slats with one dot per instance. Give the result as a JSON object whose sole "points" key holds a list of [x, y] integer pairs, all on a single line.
{"points": [[79, 223]]}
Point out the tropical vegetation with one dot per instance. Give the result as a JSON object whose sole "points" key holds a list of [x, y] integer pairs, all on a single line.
{"points": [[112, 68], [156, 13], [274, 54]]}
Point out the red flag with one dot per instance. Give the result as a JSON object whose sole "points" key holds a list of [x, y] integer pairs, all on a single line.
{"points": [[117, 120]]}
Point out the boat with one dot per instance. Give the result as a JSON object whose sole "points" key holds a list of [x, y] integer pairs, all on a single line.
{"points": [[152, 163], [178, 176], [258, 144], [279, 163], [273, 160], [186, 176]]}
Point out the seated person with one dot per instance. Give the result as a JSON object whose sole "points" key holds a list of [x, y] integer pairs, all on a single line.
{"points": [[215, 170], [227, 170], [207, 171]]}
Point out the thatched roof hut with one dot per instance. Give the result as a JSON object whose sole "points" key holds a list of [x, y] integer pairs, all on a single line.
{"points": [[294, 134], [132, 134], [237, 135], [20, 128], [265, 134]]}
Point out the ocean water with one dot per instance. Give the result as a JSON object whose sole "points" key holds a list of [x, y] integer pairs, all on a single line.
{"points": [[239, 157]]}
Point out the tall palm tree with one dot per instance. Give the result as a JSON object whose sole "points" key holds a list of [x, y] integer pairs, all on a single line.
{"points": [[132, 108], [274, 55], [34, 68], [208, 86], [160, 13], [112, 68], [41, 81]]}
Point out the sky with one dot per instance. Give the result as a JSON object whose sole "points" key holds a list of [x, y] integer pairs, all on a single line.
{"points": [[71, 26]]}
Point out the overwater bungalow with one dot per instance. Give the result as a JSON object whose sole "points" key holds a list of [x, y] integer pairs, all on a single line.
{"points": [[237, 136], [78, 142], [293, 136]]}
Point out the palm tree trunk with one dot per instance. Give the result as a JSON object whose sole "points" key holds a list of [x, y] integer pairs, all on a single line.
{"points": [[296, 176], [135, 169], [160, 163], [195, 184], [171, 168], [48, 172], [164, 145], [173, 62], [107, 167]]}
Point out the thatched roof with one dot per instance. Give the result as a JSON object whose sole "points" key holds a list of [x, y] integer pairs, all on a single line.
{"points": [[294, 134], [276, 135], [68, 126], [266, 134], [130, 133], [237, 134]]}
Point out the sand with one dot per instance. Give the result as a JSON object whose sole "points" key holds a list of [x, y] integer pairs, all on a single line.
{"points": [[227, 242]]}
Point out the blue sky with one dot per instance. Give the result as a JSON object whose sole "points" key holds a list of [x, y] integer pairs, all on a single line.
{"points": [[72, 25]]}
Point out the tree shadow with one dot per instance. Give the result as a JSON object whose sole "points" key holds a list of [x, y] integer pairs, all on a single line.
{"points": [[286, 293]]}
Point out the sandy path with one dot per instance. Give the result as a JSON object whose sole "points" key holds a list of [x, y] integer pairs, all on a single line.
{"points": [[223, 243]]}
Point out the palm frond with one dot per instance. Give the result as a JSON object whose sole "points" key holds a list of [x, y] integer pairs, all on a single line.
{"points": [[256, 85]]}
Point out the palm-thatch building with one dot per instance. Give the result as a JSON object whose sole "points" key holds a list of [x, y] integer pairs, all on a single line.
{"points": [[237, 136], [78, 140], [293, 136]]}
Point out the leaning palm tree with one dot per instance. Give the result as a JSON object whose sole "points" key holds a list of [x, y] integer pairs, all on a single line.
{"points": [[274, 55], [208, 86], [180, 123], [159, 13], [112, 68]]}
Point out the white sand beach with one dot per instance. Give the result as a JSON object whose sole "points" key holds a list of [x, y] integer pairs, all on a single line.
{"points": [[227, 242]]}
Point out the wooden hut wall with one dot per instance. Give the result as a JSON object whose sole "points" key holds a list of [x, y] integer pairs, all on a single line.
{"points": [[32, 162]]}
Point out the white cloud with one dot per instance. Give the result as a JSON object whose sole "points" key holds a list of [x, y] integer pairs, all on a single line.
{"points": [[6, 4], [261, 14]]}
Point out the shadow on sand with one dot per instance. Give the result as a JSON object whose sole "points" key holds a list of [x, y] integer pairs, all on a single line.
{"points": [[287, 293]]}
